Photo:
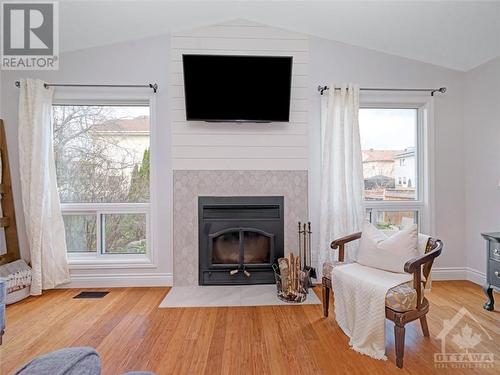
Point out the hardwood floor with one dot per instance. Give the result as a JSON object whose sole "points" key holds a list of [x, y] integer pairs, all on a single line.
{"points": [[131, 333]]}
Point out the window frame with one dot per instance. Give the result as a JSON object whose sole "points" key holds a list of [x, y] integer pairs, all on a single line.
{"points": [[424, 202], [99, 259]]}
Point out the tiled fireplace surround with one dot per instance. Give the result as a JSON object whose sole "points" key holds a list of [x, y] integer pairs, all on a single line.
{"points": [[189, 184]]}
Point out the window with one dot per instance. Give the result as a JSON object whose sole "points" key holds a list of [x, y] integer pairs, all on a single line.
{"points": [[386, 136], [391, 143], [392, 220], [102, 155]]}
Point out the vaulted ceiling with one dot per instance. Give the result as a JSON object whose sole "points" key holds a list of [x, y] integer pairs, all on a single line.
{"points": [[454, 34]]}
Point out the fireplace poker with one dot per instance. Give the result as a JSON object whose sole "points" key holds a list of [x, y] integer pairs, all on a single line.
{"points": [[301, 251], [307, 244]]}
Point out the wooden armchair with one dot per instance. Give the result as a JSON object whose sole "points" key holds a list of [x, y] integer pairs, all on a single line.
{"points": [[419, 267]]}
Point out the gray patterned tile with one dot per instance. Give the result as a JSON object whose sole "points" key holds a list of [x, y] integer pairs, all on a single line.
{"points": [[188, 185]]}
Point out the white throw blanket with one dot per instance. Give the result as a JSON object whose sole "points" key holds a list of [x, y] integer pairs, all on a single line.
{"points": [[360, 305]]}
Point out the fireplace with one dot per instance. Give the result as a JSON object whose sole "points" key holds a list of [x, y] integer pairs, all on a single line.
{"points": [[239, 239]]}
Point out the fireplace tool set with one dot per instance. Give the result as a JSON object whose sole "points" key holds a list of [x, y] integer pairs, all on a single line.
{"points": [[305, 248], [293, 273]]}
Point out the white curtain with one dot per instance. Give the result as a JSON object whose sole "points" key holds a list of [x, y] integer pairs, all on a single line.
{"points": [[42, 211], [342, 209]]}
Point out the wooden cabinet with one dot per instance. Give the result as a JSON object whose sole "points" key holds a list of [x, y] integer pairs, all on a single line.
{"points": [[492, 267]]}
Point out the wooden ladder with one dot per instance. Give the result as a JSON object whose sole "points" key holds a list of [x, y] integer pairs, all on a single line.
{"points": [[8, 219]]}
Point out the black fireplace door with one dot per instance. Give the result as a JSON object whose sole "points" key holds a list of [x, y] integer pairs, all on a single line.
{"points": [[238, 247]]}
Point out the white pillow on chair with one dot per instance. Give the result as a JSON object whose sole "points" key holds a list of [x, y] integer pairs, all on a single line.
{"points": [[389, 253]]}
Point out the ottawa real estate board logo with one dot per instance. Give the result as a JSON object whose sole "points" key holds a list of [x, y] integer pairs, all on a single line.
{"points": [[465, 343], [30, 36]]}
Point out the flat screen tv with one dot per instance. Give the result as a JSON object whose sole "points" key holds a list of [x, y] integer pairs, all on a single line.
{"points": [[223, 88]]}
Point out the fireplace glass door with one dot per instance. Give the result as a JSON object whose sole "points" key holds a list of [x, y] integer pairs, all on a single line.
{"points": [[241, 246], [226, 247], [256, 248]]}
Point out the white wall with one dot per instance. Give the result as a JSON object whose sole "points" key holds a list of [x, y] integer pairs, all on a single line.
{"points": [[482, 159], [231, 146], [337, 62], [136, 62]]}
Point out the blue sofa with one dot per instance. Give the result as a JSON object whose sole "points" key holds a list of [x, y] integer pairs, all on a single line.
{"points": [[68, 361], [3, 300]]}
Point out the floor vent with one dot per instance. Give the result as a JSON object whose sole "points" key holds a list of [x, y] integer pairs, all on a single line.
{"points": [[91, 295]]}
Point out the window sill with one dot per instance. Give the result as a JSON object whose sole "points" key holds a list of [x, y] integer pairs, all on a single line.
{"points": [[110, 261]]}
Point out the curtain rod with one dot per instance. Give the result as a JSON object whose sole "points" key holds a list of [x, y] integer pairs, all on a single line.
{"points": [[442, 90], [153, 86]]}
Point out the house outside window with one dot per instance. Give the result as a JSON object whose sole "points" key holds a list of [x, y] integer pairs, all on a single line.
{"points": [[102, 154]]}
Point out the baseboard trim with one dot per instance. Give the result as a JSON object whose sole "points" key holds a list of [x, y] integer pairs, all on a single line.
{"points": [[449, 273], [458, 273], [477, 277], [119, 280], [167, 279]]}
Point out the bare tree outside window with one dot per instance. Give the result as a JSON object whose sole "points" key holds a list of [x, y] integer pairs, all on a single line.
{"points": [[102, 156]]}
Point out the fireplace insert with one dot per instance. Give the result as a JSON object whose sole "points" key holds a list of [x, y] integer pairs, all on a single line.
{"points": [[239, 239]]}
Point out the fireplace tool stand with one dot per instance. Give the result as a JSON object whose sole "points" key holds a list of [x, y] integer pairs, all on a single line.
{"points": [[304, 234]]}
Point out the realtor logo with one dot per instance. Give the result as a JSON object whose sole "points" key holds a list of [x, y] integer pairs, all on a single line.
{"points": [[462, 339], [30, 36]]}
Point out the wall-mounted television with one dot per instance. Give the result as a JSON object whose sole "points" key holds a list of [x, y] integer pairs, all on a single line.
{"points": [[222, 88]]}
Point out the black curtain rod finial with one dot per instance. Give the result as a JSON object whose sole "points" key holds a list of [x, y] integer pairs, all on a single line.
{"points": [[154, 86], [321, 89], [442, 90]]}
